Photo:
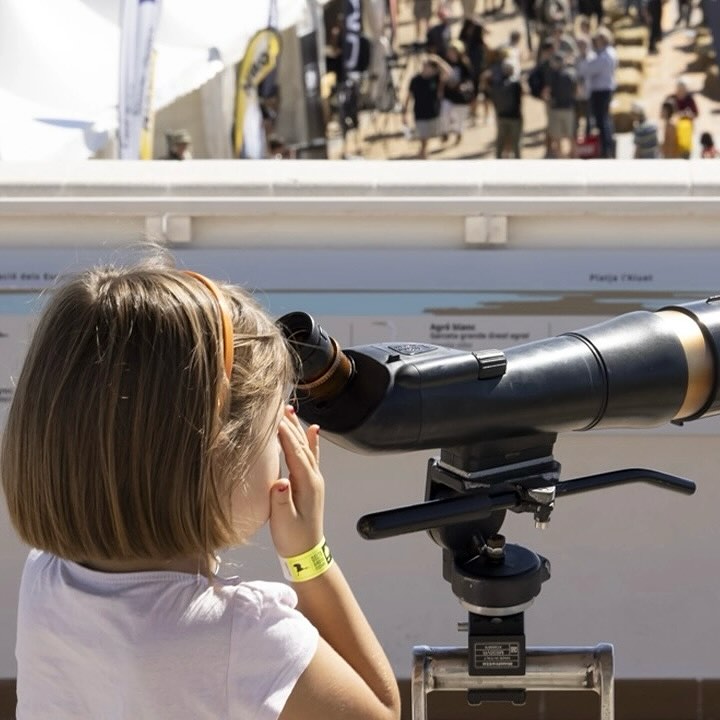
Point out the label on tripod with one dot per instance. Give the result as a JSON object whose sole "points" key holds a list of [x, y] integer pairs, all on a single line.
{"points": [[497, 656]]}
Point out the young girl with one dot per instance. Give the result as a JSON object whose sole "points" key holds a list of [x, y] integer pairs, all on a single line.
{"points": [[144, 436]]}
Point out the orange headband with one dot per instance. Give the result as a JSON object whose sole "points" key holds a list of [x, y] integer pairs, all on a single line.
{"points": [[226, 321]]}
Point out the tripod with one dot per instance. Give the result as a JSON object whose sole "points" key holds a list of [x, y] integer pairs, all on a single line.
{"points": [[468, 492]]}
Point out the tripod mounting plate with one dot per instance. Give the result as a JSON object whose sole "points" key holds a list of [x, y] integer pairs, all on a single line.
{"points": [[490, 586]]}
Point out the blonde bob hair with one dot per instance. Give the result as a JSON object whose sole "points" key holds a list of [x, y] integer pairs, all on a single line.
{"points": [[125, 438]]}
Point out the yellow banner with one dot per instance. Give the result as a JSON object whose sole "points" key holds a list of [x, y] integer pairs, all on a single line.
{"points": [[259, 61]]}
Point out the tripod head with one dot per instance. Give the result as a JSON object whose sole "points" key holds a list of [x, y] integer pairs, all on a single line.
{"points": [[496, 415]]}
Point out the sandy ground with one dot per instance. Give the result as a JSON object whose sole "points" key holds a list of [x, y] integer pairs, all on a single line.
{"points": [[382, 136]]}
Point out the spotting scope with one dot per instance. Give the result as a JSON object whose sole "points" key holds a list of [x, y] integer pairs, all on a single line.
{"points": [[495, 416], [637, 370]]}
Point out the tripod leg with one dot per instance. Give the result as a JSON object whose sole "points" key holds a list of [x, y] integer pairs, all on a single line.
{"points": [[419, 689], [606, 681]]}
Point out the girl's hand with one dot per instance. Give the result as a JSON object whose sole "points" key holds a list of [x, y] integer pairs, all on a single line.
{"points": [[297, 502]]}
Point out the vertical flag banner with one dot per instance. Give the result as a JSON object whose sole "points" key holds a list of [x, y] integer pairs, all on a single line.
{"points": [[260, 59], [353, 31], [311, 42], [139, 23]]}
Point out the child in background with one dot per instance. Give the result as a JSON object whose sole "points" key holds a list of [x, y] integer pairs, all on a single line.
{"points": [[143, 437], [645, 138], [708, 147]]}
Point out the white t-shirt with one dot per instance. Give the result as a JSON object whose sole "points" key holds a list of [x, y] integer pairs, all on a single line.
{"points": [[154, 645]]}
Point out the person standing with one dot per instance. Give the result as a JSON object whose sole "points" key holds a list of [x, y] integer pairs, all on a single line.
{"points": [[506, 95], [582, 103], [687, 110], [439, 35], [684, 9], [645, 134], [539, 78], [601, 72], [513, 53], [458, 92], [426, 92], [684, 101], [472, 34], [589, 8], [179, 145], [529, 12], [670, 148], [653, 15], [422, 12], [560, 95]]}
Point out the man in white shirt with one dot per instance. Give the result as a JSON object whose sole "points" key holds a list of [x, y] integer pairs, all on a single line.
{"points": [[601, 75]]}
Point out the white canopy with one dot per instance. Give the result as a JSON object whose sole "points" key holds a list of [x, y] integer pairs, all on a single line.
{"points": [[59, 65]]}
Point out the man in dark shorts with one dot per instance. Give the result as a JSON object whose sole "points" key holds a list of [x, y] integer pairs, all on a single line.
{"points": [[426, 92]]}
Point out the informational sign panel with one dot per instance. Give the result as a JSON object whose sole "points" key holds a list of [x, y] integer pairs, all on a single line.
{"points": [[466, 299]]}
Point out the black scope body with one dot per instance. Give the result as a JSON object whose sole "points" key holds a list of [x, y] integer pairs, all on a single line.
{"points": [[637, 370]]}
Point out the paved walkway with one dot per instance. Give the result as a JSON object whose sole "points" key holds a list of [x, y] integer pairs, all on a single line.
{"points": [[382, 135]]}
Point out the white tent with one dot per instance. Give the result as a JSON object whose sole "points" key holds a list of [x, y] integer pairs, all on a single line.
{"points": [[59, 65]]}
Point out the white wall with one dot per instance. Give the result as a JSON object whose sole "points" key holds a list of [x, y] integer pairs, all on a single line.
{"points": [[635, 566]]}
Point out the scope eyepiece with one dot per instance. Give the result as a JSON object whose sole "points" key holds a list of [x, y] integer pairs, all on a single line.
{"points": [[323, 368]]}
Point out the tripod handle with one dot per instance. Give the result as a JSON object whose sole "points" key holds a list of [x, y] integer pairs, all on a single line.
{"points": [[434, 514], [475, 506], [623, 477]]}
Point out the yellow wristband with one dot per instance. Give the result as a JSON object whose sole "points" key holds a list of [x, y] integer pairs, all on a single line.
{"points": [[309, 565]]}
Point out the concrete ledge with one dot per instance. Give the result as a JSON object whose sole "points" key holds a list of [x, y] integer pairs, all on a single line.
{"points": [[108, 181], [373, 203]]}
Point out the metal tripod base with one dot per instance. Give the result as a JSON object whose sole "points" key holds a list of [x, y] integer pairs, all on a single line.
{"points": [[547, 668]]}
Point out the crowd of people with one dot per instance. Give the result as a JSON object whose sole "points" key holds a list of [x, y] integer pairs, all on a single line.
{"points": [[572, 70], [456, 75]]}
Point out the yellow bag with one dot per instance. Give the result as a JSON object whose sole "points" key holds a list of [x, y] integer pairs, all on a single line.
{"points": [[684, 136]]}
